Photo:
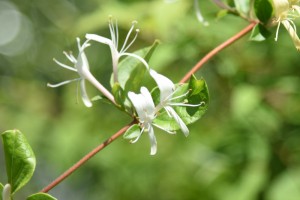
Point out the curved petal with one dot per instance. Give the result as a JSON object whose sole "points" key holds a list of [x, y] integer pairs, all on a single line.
{"points": [[138, 102], [64, 66], [84, 95], [62, 83], [153, 141], [99, 38], [292, 33], [179, 121], [165, 85], [149, 104]]}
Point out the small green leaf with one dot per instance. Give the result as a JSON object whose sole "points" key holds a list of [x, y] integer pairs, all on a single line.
{"points": [[1, 190], [259, 33], [41, 196], [263, 10], [195, 92], [131, 71], [133, 132], [19, 158], [120, 96], [243, 7]]}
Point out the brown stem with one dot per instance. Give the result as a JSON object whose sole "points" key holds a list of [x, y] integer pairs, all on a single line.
{"points": [[86, 158], [217, 50]]}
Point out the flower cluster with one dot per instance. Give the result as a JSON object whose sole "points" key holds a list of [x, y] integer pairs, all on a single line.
{"points": [[285, 12], [147, 111], [141, 106]]}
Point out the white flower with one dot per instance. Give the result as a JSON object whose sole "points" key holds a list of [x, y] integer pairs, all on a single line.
{"points": [[113, 43], [145, 109], [167, 89], [285, 12], [81, 66]]}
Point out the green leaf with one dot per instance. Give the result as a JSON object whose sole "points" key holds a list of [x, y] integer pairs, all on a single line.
{"points": [[41, 196], [263, 10], [1, 190], [243, 7], [259, 33], [131, 71], [19, 158], [195, 92], [132, 132]]}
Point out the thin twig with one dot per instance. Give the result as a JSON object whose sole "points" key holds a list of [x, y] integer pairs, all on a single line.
{"points": [[86, 158], [217, 50]]}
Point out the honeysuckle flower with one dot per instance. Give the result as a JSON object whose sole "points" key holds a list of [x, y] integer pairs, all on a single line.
{"points": [[145, 109], [6, 192], [285, 12], [167, 90], [81, 66], [113, 43]]}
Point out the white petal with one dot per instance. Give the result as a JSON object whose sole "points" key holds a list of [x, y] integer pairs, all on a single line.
{"points": [[84, 95], [138, 102], [62, 83], [292, 33], [99, 38], [64, 66], [165, 85], [82, 64], [153, 141], [149, 104], [179, 121]]}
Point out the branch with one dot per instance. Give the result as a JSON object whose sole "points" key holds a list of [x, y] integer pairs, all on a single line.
{"points": [[217, 50], [86, 158]]}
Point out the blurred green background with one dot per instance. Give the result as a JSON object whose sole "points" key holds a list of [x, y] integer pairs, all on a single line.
{"points": [[246, 147]]}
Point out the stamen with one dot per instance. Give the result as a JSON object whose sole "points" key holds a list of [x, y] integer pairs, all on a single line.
{"points": [[128, 35], [277, 30], [136, 34]]}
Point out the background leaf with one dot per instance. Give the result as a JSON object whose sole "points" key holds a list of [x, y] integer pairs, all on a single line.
{"points": [[19, 158], [41, 196]]}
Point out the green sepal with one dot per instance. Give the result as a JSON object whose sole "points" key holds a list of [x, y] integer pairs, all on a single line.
{"points": [[120, 97], [19, 158], [132, 132], [196, 93], [263, 10], [259, 33], [41, 196], [131, 71], [1, 190]]}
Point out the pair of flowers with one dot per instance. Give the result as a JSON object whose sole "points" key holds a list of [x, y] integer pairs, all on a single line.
{"points": [[143, 102], [285, 12]]}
